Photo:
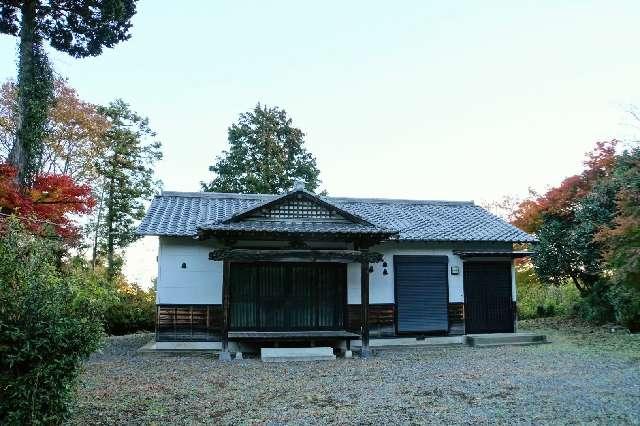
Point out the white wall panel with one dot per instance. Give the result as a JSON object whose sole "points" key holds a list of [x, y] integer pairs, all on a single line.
{"points": [[199, 283], [353, 283]]}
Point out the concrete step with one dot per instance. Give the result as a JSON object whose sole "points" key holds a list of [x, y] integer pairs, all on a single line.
{"points": [[493, 345], [297, 354], [499, 339], [410, 342]]}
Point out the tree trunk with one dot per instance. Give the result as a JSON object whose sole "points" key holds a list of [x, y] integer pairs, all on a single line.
{"points": [[110, 214], [109, 229], [94, 255], [19, 155], [583, 292]]}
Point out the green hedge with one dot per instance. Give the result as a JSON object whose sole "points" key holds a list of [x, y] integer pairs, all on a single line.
{"points": [[49, 323]]}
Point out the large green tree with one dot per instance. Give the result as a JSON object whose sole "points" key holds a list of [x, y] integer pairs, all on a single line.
{"points": [[78, 27], [589, 232], [126, 179], [265, 156], [621, 240], [568, 249]]}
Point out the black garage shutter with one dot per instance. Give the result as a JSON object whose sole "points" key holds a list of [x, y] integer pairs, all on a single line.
{"points": [[487, 297], [422, 293]]}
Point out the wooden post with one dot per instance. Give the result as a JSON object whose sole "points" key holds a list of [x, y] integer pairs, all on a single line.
{"points": [[226, 277], [364, 310]]}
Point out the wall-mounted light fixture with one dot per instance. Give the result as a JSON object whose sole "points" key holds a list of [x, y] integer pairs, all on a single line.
{"points": [[455, 270], [184, 265]]}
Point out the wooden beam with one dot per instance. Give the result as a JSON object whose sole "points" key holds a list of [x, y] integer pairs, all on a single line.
{"points": [[364, 310], [503, 254], [237, 235], [292, 255], [226, 281]]}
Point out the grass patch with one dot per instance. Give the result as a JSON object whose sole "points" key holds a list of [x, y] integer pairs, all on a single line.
{"points": [[573, 331]]}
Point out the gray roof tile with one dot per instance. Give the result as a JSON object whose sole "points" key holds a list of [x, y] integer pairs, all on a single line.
{"points": [[182, 213], [297, 227]]}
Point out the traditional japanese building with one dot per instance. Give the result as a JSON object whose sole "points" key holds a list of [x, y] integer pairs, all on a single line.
{"points": [[301, 267]]}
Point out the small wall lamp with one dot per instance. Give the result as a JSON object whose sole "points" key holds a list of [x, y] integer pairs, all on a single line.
{"points": [[184, 265], [455, 270]]}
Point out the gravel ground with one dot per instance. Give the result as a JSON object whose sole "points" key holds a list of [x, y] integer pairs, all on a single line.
{"points": [[585, 376]]}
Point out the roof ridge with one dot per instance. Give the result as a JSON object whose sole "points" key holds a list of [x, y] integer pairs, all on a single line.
{"points": [[233, 195]]}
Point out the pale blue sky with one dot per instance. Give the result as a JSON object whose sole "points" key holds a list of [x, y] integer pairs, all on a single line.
{"points": [[411, 99]]}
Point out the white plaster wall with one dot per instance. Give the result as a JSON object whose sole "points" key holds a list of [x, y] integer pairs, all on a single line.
{"points": [[199, 283], [381, 287]]}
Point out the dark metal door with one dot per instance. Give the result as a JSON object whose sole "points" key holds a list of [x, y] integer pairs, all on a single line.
{"points": [[283, 296], [422, 293], [488, 301]]}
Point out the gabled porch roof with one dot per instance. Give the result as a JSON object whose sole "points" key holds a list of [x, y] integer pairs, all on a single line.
{"points": [[298, 213]]}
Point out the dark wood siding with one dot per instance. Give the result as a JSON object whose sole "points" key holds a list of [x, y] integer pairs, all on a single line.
{"points": [[381, 319], [422, 293], [272, 296], [488, 298], [188, 322]]}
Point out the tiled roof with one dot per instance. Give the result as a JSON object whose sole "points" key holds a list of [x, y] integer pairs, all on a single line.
{"points": [[297, 227], [183, 213]]}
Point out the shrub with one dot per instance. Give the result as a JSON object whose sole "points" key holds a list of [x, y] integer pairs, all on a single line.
{"points": [[128, 307], [134, 310], [49, 323], [608, 302], [625, 303], [539, 300], [595, 306]]}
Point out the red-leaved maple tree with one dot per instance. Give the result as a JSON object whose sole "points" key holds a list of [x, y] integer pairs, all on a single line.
{"points": [[561, 200], [47, 205]]}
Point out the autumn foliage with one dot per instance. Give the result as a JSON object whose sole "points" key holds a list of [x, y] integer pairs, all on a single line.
{"points": [[74, 136], [45, 207], [589, 234], [561, 201]]}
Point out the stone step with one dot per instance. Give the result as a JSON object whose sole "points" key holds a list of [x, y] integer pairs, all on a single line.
{"points": [[498, 339], [297, 354]]}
